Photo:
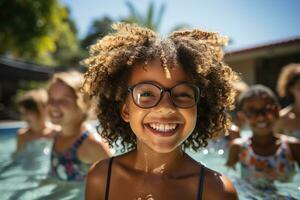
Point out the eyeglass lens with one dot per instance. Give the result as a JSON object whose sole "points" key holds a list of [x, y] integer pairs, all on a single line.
{"points": [[263, 111], [147, 95]]}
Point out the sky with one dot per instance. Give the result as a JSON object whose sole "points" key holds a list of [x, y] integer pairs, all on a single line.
{"points": [[247, 23]]}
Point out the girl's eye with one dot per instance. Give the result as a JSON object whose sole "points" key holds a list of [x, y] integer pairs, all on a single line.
{"points": [[183, 95], [146, 94]]}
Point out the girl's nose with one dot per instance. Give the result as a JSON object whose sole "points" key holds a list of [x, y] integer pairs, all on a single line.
{"points": [[166, 100]]}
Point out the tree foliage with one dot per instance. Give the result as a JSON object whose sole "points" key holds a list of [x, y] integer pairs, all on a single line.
{"points": [[36, 30]]}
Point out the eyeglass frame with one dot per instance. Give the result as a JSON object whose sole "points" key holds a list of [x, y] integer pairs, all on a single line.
{"points": [[163, 90], [262, 111]]}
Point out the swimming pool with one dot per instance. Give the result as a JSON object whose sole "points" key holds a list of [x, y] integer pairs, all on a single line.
{"points": [[27, 179], [22, 180]]}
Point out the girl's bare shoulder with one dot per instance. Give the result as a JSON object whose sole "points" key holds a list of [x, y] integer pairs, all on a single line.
{"points": [[98, 171], [96, 180], [237, 143], [218, 186]]}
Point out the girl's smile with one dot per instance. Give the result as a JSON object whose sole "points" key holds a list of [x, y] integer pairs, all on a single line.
{"points": [[163, 126]]}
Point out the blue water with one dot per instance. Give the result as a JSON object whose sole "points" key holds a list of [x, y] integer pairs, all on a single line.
{"points": [[26, 176], [24, 179]]}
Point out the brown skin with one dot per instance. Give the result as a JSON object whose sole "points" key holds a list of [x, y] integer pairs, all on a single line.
{"points": [[158, 167], [264, 141], [234, 132], [64, 111], [288, 121]]}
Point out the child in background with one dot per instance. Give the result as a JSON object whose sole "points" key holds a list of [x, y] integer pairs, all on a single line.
{"points": [[266, 156], [77, 145], [38, 132], [289, 87], [158, 97]]}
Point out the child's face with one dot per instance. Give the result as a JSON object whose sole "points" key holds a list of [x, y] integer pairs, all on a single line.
{"points": [[162, 127], [261, 114], [62, 107], [30, 117]]}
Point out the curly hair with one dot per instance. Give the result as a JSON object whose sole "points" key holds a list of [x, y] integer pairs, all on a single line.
{"points": [[199, 53], [289, 75]]}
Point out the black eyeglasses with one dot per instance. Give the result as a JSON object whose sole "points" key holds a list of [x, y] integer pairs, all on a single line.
{"points": [[148, 94], [268, 110]]}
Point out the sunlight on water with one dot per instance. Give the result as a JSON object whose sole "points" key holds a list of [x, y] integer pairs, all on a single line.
{"points": [[26, 177]]}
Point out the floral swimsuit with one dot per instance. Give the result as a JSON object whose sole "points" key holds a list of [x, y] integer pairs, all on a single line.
{"points": [[263, 170]]}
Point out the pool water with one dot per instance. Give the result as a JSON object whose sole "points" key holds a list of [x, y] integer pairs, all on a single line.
{"points": [[20, 180], [25, 176]]}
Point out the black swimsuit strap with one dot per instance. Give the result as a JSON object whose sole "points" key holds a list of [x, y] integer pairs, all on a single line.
{"points": [[200, 186], [108, 178]]}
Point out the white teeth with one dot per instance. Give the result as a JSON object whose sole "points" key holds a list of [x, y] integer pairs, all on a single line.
{"points": [[163, 127], [261, 125], [55, 114]]}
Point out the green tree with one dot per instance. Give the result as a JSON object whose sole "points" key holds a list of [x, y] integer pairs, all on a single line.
{"points": [[34, 30], [150, 19], [68, 51]]}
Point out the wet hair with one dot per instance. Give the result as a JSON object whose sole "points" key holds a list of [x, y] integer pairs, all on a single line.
{"points": [[289, 75], [33, 100], [74, 80], [260, 91], [198, 52]]}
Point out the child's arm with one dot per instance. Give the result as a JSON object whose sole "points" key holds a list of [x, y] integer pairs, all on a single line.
{"points": [[234, 132], [234, 150], [96, 181]]}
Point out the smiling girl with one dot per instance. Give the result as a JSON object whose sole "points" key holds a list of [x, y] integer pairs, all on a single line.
{"points": [[158, 97], [77, 145], [266, 156]]}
